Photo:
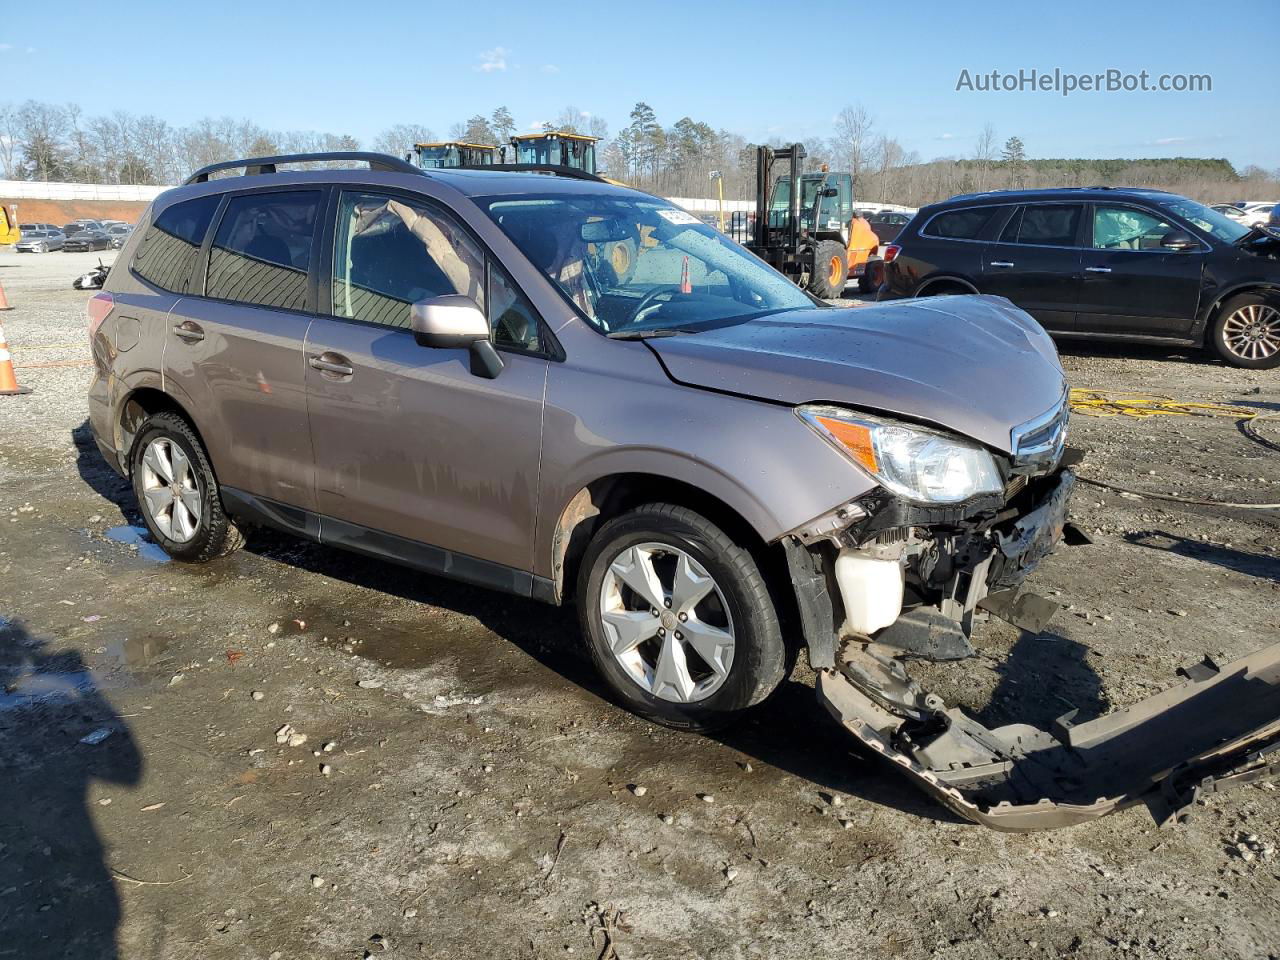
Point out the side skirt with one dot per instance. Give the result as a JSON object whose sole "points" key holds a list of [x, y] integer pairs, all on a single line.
{"points": [[385, 546]]}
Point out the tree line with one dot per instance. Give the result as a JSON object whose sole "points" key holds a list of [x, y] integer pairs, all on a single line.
{"points": [[44, 141]]}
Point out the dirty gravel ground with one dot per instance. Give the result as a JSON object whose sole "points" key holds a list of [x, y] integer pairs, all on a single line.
{"points": [[464, 789]]}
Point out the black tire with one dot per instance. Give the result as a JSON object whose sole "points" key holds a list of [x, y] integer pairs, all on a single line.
{"points": [[760, 659], [216, 534], [830, 270], [1230, 349], [945, 289]]}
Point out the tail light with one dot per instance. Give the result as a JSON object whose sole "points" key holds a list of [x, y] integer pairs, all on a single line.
{"points": [[99, 306], [890, 252]]}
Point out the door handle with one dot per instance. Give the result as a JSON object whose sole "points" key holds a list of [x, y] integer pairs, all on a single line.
{"points": [[331, 363], [189, 331], [1097, 269], [1000, 263]]}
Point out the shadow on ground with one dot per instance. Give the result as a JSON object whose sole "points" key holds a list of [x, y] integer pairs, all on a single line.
{"points": [[1251, 564], [1071, 347], [57, 894]]}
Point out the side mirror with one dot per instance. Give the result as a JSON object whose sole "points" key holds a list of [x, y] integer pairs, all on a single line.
{"points": [[1179, 240], [455, 322], [830, 192]]}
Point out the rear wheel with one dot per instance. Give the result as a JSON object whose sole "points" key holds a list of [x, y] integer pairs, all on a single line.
{"points": [[178, 493], [1246, 332], [945, 288], [678, 618], [830, 270]]}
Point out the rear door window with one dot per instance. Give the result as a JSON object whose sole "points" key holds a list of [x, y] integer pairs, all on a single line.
{"points": [[964, 224], [262, 250], [168, 251], [1044, 225]]}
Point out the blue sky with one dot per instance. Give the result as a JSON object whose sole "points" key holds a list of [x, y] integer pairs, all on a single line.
{"points": [[358, 68]]}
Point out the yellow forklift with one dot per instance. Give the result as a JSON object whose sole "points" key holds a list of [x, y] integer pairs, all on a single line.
{"points": [[9, 232]]}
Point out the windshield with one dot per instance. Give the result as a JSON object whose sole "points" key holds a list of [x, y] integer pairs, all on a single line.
{"points": [[1219, 226], [431, 157], [635, 264], [835, 212]]}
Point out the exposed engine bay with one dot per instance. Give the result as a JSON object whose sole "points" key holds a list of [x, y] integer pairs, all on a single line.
{"points": [[881, 582]]}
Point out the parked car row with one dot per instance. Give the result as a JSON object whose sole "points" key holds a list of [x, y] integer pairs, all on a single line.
{"points": [[1103, 263], [1249, 213], [76, 236]]}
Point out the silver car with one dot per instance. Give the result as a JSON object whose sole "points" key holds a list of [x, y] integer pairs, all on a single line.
{"points": [[577, 392], [40, 240]]}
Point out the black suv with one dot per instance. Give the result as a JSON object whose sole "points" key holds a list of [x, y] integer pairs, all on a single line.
{"points": [[1101, 262]]}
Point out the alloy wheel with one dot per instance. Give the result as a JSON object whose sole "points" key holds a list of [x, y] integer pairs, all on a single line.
{"points": [[666, 622], [1252, 332], [170, 490]]}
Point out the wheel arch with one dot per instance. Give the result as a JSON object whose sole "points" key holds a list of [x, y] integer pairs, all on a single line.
{"points": [[944, 278], [614, 494], [1210, 313], [137, 405]]}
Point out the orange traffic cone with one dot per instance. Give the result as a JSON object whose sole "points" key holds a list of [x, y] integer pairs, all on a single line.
{"points": [[8, 382], [4, 301]]}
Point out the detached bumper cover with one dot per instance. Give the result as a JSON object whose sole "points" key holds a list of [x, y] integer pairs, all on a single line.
{"points": [[1217, 730]]}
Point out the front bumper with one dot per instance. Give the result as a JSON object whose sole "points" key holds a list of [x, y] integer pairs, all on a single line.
{"points": [[1218, 729], [912, 577]]}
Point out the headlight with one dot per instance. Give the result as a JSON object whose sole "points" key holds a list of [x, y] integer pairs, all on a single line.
{"points": [[914, 462]]}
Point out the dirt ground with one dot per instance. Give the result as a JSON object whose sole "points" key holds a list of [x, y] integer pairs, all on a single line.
{"points": [[464, 789]]}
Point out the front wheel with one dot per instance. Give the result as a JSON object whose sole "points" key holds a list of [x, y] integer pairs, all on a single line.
{"points": [[178, 493], [830, 270], [1246, 332], [678, 618]]}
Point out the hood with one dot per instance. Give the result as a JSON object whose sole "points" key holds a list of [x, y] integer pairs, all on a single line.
{"points": [[976, 365]]}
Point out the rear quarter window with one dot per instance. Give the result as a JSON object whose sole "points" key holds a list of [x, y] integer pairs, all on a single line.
{"points": [[168, 250], [964, 224]]}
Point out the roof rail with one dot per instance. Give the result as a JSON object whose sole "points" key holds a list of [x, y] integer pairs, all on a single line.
{"points": [[259, 165], [550, 169]]}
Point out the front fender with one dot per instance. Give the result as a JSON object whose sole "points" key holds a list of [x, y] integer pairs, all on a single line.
{"points": [[757, 458]]}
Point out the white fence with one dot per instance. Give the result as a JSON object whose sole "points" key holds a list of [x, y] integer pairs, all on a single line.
{"points": [[698, 205], [44, 190]]}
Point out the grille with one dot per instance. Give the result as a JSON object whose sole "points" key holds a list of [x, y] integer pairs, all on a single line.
{"points": [[1038, 443]]}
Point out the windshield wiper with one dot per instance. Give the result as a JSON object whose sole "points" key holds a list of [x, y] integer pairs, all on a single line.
{"points": [[646, 334]]}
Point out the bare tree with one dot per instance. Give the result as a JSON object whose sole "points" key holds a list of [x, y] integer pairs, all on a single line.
{"points": [[400, 139], [984, 151], [9, 141], [853, 128]]}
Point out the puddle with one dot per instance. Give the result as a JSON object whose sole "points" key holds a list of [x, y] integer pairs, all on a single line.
{"points": [[137, 653], [139, 537], [37, 688]]}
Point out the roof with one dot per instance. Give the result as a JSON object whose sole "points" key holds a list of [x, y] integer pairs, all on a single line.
{"points": [[469, 182], [554, 133], [1057, 193], [458, 143]]}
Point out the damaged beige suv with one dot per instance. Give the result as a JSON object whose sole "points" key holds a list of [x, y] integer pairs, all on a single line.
{"points": [[575, 391]]}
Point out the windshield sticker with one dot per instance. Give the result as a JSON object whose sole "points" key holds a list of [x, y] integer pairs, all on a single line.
{"points": [[678, 217]]}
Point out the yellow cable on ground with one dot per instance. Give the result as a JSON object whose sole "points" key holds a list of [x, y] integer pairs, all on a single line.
{"points": [[1101, 403]]}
